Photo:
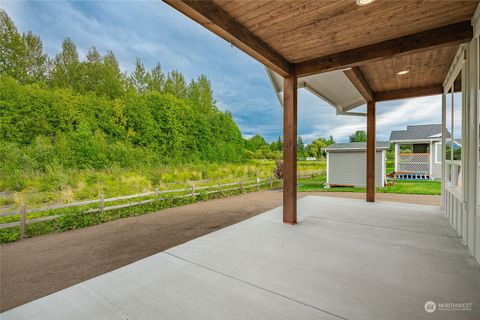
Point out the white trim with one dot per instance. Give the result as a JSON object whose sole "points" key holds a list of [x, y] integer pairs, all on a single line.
{"points": [[476, 22], [416, 141], [328, 167], [430, 171], [435, 147], [397, 152], [384, 169], [455, 68]]}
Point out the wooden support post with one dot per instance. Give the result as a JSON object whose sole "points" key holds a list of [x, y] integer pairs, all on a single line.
{"points": [[290, 149], [155, 191], [241, 186], [193, 190], [271, 182], [371, 151], [258, 184], [23, 220], [102, 202]]}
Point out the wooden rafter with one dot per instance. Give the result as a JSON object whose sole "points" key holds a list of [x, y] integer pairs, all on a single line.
{"points": [[214, 18], [408, 93], [436, 38], [356, 77]]}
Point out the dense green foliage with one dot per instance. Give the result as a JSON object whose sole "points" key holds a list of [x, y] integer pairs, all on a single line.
{"points": [[68, 113], [358, 136]]}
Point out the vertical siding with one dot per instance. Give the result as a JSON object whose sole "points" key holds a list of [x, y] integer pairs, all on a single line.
{"points": [[436, 170], [349, 168]]}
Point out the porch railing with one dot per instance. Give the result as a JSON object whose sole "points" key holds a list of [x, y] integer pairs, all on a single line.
{"points": [[414, 162]]}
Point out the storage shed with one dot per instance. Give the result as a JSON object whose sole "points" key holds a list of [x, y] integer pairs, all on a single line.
{"points": [[346, 164]]}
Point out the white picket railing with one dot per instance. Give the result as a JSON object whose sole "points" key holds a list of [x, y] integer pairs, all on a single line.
{"points": [[414, 163]]}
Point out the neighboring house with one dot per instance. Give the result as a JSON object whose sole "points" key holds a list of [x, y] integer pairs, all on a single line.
{"points": [[418, 152], [346, 164]]}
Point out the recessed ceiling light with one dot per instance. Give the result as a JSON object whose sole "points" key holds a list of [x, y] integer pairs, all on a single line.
{"points": [[364, 2], [401, 73]]}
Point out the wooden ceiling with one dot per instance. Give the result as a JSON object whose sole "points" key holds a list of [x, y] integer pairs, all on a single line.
{"points": [[303, 30], [311, 36]]}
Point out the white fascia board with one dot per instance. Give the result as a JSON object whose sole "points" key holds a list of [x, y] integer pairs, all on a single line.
{"points": [[414, 141]]}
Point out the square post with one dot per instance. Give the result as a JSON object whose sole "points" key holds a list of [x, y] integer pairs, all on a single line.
{"points": [[290, 149], [397, 155], [371, 151]]}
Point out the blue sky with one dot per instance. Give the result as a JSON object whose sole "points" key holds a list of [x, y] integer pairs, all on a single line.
{"points": [[153, 31]]}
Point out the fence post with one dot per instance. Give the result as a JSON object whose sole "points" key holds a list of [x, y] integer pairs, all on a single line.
{"points": [[258, 184], [241, 186], [102, 201], [271, 182], [155, 191], [221, 189], [193, 190], [23, 220]]}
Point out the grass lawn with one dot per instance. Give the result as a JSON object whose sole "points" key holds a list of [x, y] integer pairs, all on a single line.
{"points": [[403, 187]]}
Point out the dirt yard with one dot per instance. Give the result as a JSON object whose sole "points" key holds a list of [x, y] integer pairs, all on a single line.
{"points": [[33, 268]]}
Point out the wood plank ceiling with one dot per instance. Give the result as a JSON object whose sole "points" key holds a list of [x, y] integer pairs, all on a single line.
{"points": [[296, 31]]}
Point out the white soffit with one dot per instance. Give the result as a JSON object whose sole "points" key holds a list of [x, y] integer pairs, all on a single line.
{"points": [[333, 87]]}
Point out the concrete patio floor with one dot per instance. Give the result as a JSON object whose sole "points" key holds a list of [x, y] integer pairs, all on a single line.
{"points": [[346, 259]]}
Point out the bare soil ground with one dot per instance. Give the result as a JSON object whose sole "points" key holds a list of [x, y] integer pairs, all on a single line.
{"points": [[33, 268]]}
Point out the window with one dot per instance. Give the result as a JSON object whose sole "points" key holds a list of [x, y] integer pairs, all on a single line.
{"points": [[438, 152]]}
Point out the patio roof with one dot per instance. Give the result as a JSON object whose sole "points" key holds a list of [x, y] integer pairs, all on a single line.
{"points": [[386, 49], [349, 260], [376, 40]]}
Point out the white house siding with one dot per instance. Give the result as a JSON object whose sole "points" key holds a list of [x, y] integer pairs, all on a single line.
{"points": [[349, 168], [436, 170], [436, 166]]}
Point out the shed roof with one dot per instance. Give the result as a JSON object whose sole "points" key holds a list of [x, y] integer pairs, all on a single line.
{"points": [[356, 146], [418, 132]]}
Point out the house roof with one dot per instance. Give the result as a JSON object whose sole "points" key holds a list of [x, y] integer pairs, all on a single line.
{"points": [[419, 132], [356, 146]]}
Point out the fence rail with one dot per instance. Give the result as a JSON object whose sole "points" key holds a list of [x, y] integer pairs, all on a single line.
{"points": [[191, 191]]}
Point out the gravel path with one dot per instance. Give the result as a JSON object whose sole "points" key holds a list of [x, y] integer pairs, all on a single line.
{"points": [[33, 268]]}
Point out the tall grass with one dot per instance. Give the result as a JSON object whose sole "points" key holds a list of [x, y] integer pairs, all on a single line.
{"points": [[58, 185]]}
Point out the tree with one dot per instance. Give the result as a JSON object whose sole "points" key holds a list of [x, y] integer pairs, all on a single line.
{"points": [[358, 136], [113, 84], [277, 145], [176, 85], [65, 72], [201, 94], [255, 143], [300, 147], [21, 56], [139, 77], [315, 148], [155, 79]]}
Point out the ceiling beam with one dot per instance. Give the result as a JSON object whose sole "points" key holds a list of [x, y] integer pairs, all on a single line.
{"points": [[408, 93], [435, 38], [217, 20], [356, 77]]}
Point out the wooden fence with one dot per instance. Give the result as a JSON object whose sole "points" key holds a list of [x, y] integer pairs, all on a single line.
{"points": [[192, 191]]}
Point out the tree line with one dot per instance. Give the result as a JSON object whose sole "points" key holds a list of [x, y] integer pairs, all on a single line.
{"points": [[69, 112], [86, 113]]}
